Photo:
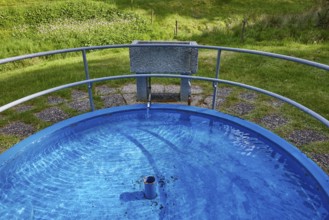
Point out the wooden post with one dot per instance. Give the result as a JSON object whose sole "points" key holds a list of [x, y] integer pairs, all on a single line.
{"points": [[176, 29], [244, 22]]}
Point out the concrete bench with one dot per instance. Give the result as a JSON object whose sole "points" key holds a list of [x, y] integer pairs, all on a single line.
{"points": [[161, 59]]}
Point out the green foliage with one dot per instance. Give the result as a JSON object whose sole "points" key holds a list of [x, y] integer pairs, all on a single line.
{"points": [[303, 28], [67, 24], [7, 141], [32, 26], [48, 12]]}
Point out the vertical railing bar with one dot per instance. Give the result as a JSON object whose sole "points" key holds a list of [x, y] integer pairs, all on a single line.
{"points": [[85, 63], [214, 97]]}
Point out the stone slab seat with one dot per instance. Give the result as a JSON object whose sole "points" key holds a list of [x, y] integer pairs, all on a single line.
{"points": [[160, 59]]}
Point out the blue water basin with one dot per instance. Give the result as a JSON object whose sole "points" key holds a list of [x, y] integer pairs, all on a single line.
{"points": [[207, 165]]}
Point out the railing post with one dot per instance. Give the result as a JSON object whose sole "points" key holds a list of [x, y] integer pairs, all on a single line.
{"points": [[214, 97], [85, 63]]}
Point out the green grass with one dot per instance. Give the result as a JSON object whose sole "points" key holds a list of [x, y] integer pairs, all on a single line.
{"points": [[34, 26], [7, 141], [295, 27]]}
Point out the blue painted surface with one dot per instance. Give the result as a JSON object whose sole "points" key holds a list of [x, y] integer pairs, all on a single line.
{"points": [[208, 165]]}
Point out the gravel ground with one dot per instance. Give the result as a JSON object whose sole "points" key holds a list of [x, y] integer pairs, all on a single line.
{"points": [[18, 129], [55, 100], [224, 92], [242, 108], [53, 114], [302, 137], [273, 121], [81, 105], [105, 90], [248, 96], [113, 100], [208, 102], [276, 103], [23, 108]]}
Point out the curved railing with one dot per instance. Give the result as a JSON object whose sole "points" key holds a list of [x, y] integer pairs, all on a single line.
{"points": [[215, 80]]}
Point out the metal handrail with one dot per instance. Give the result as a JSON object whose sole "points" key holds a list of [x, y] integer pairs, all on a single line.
{"points": [[215, 81], [282, 98], [80, 49]]}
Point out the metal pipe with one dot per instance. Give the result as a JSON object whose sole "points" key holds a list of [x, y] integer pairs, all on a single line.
{"points": [[189, 98], [214, 97], [150, 187], [149, 101], [149, 93], [90, 92]]}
